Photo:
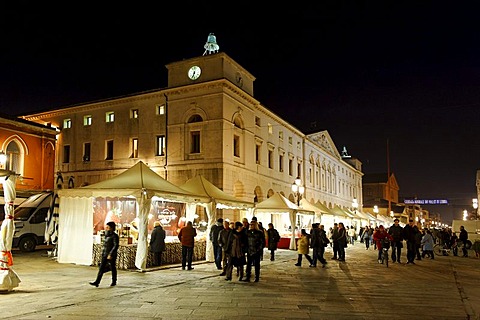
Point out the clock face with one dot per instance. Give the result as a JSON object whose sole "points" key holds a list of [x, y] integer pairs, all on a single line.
{"points": [[194, 72]]}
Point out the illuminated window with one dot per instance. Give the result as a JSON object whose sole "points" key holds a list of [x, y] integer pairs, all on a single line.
{"points": [[134, 148], [67, 123], [160, 146], [270, 128], [87, 120], [134, 113], [110, 116], [161, 110]]}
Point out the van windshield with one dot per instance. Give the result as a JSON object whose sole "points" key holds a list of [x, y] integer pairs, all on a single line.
{"points": [[23, 213]]}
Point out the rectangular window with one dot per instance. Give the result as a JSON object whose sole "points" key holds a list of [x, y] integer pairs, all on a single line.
{"points": [[86, 152], [109, 150], [110, 116], [270, 159], [160, 146], [257, 121], [257, 154], [299, 170], [160, 110], [134, 148], [195, 138], [290, 140], [280, 163], [270, 128], [67, 123], [134, 113], [280, 135], [66, 154], [290, 167], [236, 146], [87, 120]]}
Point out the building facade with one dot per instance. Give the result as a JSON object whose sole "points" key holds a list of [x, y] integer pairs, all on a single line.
{"points": [[206, 121]]}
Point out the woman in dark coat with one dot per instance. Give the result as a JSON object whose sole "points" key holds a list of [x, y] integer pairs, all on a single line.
{"points": [[157, 243], [273, 237], [109, 255]]}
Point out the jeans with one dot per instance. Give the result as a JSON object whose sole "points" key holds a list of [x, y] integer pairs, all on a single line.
{"points": [[254, 260], [411, 251], [318, 253], [341, 252], [217, 253], [367, 243], [187, 256], [396, 250]]}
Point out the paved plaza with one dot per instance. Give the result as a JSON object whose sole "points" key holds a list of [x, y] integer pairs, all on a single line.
{"points": [[360, 288]]}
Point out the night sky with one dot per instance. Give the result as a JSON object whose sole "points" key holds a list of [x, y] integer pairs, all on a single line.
{"points": [[373, 73]]}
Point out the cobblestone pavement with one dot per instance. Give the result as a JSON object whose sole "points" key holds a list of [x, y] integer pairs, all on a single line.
{"points": [[360, 288]]}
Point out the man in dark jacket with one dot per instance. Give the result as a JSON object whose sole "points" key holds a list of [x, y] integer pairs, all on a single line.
{"points": [[109, 255], [335, 240], [463, 237], [409, 233], [157, 243], [396, 231], [187, 237], [318, 243], [223, 242], [217, 250], [256, 241]]}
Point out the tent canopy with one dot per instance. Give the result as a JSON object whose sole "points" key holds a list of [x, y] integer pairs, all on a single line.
{"points": [[278, 204], [76, 210], [137, 180], [199, 185]]}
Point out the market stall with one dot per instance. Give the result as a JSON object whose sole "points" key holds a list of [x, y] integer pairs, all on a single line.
{"points": [[199, 185], [287, 217], [140, 185]]}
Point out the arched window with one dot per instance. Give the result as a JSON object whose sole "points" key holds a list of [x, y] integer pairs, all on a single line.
{"points": [[195, 118], [14, 157]]}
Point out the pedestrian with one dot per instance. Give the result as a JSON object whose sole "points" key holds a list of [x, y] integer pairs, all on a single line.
{"points": [[418, 242], [303, 248], [187, 237], [380, 235], [427, 244], [223, 242], [237, 243], [109, 255], [335, 241], [342, 241], [463, 237], [157, 243], [261, 228], [351, 235], [454, 243], [217, 250], [318, 242], [397, 233], [409, 233], [366, 237], [273, 238], [256, 242]]}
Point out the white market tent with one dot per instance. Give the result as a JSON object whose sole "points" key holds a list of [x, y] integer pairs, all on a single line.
{"points": [[219, 199], [278, 204], [75, 237], [305, 204]]}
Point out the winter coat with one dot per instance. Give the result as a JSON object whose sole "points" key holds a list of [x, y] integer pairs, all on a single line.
{"points": [[187, 236], [110, 245], [303, 244], [397, 232], [256, 241], [273, 237], [214, 231], [157, 239], [427, 242], [378, 236], [342, 237], [223, 239]]}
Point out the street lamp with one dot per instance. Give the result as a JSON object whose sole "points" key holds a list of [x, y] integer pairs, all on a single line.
{"points": [[375, 209], [475, 207], [298, 189], [465, 215], [392, 214]]}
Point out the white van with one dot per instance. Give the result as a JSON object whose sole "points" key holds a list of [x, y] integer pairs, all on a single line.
{"points": [[30, 221]]}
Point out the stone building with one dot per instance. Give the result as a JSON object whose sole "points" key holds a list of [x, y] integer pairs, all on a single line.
{"points": [[206, 121]]}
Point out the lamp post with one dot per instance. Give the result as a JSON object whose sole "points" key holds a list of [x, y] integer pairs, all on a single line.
{"points": [[465, 215], [298, 189]]}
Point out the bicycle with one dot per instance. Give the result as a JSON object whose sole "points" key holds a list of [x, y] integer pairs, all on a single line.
{"points": [[443, 249], [385, 247]]}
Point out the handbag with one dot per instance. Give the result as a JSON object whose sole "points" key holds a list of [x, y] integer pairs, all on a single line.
{"points": [[108, 267]]}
